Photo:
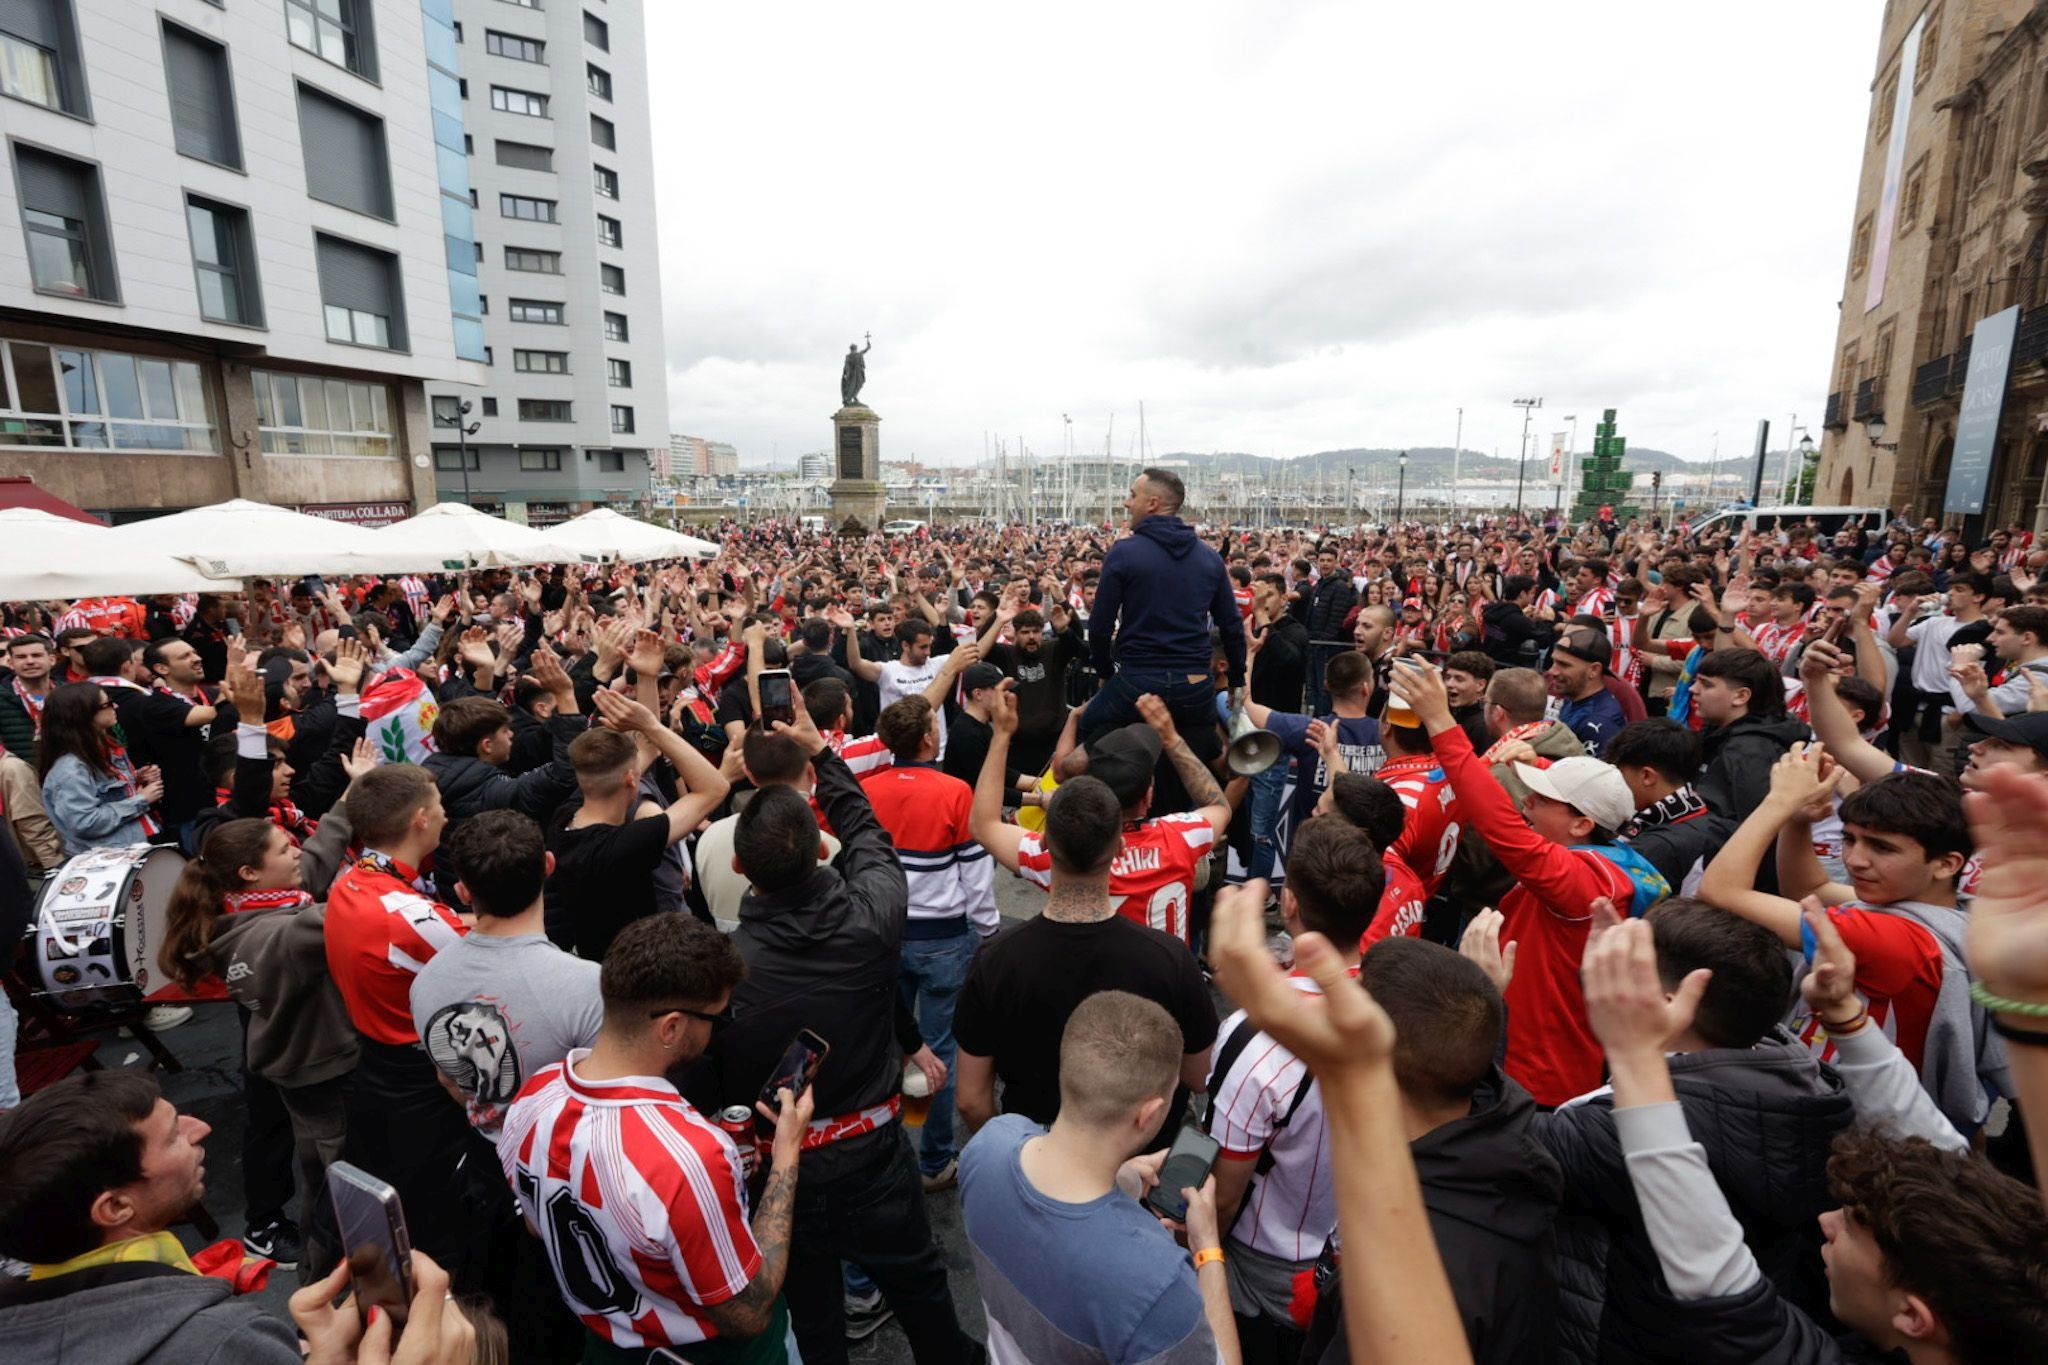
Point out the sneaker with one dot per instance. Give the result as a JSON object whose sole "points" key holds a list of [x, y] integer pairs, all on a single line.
{"points": [[163, 1017], [946, 1179], [865, 1314], [277, 1240]]}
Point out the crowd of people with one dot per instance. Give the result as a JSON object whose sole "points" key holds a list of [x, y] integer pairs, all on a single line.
{"points": [[1564, 943]]}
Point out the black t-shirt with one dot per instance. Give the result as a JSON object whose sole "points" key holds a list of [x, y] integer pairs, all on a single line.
{"points": [[1029, 979], [603, 880], [153, 727]]}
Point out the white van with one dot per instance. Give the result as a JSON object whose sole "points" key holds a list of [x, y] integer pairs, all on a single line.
{"points": [[1831, 519], [813, 525], [902, 528]]}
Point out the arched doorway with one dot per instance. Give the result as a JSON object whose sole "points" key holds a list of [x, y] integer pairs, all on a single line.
{"points": [[1934, 478]]}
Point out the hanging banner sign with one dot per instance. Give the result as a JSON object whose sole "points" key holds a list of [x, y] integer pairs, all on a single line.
{"points": [[1557, 454], [1969, 470]]}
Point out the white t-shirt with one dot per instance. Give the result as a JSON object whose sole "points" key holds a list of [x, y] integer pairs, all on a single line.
{"points": [[900, 680]]}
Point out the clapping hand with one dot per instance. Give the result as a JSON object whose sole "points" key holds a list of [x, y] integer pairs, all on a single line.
{"points": [[620, 712], [1481, 943], [360, 759]]}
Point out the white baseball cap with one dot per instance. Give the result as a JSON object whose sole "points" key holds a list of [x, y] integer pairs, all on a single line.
{"points": [[1593, 788]]}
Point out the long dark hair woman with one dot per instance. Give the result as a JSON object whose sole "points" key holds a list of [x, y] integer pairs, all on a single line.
{"points": [[96, 797], [240, 912]]}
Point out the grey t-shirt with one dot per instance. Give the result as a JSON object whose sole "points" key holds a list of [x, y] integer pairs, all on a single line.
{"points": [[492, 1011]]}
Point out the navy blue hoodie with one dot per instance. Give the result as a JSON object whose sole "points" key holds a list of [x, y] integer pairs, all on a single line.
{"points": [[1167, 586]]}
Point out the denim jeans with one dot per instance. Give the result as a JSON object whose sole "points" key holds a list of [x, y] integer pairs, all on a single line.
{"points": [[10, 1090], [872, 1214], [1267, 789], [934, 970], [1192, 705]]}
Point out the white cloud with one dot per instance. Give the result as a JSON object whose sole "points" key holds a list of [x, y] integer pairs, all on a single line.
{"points": [[1286, 227]]}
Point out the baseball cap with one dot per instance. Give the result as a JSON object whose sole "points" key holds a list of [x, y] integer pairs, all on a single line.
{"points": [[976, 677], [1125, 760], [1594, 789], [1588, 645], [2029, 728]]}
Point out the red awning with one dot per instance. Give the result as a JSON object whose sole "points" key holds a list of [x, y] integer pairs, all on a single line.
{"points": [[16, 491]]}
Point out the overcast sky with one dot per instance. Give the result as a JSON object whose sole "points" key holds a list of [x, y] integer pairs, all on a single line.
{"points": [[1287, 227]]}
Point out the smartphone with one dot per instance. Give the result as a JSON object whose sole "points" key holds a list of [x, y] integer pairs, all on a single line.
{"points": [[1187, 1165], [371, 1224], [778, 697], [798, 1067]]}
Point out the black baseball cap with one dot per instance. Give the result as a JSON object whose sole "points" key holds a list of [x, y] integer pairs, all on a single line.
{"points": [[976, 677], [1125, 760], [2029, 728], [1585, 644]]}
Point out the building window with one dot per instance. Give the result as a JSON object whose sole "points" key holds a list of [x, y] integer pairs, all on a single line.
{"points": [[39, 55], [224, 255], [1859, 247], [609, 232], [337, 30], [2041, 105], [513, 101], [610, 461], [615, 327], [531, 210], [524, 4], [533, 262], [345, 157], [1881, 353], [600, 81], [603, 134], [606, 181], [1987, 144], [490, 356], [619, 373], [202, 98], [479, 251], [65, 215], [490, 407], [447, 410], [622, 419], [1930, 47], [540, 362], [596, 32], [540, 461], [1887, 99], [66, 399], [299, 414], [360, 294], [1912, 194], [450, 457], [535, 310], [1847, 386], [525, 156], [512, 45], [611, 279]]}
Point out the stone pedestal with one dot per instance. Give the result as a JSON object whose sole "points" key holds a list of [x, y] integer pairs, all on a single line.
{"points": [[858, 494]]}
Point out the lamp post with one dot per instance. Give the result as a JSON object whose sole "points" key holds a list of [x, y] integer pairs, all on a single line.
{"points": [[1401, 495], [1528, 407], [462, 435], [1805, 454]]}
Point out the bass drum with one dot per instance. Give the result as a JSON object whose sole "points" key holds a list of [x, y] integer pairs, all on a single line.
{"points": [[99, 923]]}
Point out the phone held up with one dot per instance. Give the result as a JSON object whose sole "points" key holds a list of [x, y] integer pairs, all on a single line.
{"points": [[778, 697], [1187, 1165], [797, 1069], [371, 1223]]}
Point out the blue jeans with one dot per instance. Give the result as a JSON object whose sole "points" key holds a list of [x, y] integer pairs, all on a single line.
{"points": [[1267, 789], [1192, 705], [934, 970]]}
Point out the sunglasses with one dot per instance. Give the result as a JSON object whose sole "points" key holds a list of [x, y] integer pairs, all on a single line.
{"points": [[724, 1016]]}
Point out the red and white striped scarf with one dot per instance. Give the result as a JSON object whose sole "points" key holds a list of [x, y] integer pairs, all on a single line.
{"points": [[31, 703], [284, 898], [117, 759]]}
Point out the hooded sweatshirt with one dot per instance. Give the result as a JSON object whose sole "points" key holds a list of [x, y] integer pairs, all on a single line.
{"points": [[1492, 1194], [1767, 1117], [275, 965], [1738, 757], [138, 1313], [1167, 587]]}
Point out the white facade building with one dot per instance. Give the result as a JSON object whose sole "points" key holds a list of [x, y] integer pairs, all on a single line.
{"points": [[230, 229], [574, 410]]}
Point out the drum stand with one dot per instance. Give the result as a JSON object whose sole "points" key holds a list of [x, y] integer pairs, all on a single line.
{"points": [[46, 1029]]}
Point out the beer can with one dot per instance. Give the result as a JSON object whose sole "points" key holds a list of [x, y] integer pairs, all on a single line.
{"points": [[738, 1122]]}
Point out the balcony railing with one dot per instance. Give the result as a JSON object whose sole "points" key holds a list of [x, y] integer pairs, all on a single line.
{"points": [[1930, 381], [1869, 402], [1836, 419], [2030, 341]]}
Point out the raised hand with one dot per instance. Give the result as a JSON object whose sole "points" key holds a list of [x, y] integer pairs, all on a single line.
{"points": [[1625, 1001], [1481, 943], [441, 610], [350, 662], [620, 712], [244, 686], [2008, 921], [648, 654], [475, 648], [1800, 777], [359, 759], [1002, 708], [1154, 713], [1829, 986]]}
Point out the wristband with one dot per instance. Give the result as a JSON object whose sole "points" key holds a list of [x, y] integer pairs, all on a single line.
{"points": [[1854, 1024], [2026, 1036], [1208, 1254], [1998, 1004]]}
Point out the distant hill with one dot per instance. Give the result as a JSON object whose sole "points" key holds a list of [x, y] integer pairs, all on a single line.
{"points": [[1426, 464]]}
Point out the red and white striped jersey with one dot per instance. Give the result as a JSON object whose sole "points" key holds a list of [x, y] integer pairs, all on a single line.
{"points": [[1152, 880], [380, 932], [864, 755], [1595, 603], [639, 1201], [1244, 601], [1429, 835], [1775, 640]]}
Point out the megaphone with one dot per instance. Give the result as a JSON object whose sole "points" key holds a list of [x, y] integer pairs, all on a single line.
{"points": [[1252, 750]]}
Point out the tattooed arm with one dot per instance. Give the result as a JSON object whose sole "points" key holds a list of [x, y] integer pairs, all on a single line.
{"points": [[748, 1313], [1193, 773]]}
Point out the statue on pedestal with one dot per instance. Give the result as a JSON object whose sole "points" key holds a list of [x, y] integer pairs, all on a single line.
{"points": [[854, 372]]}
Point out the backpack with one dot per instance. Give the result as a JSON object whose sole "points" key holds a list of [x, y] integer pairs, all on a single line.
{"points": [[1649, 883]]}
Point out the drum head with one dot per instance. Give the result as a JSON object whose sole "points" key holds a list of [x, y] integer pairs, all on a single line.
{"points": [[84, 940]]}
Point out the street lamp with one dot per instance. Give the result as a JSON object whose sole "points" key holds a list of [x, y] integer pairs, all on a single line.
{"points": [[1528, 407], [1805, 454], [462, 435], [1401, 495]]}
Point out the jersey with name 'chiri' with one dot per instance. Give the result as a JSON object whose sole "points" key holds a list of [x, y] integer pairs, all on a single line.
{"points": [[638, 1200], [1152, 880]]}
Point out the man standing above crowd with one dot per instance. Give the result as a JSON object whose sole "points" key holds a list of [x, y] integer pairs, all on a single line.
{"points": [[1161, 591], [1325, 608]]}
